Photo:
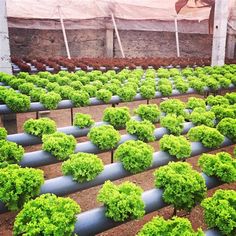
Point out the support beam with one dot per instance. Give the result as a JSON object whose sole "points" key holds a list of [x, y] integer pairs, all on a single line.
{"points": [[9, 121], [117, 35], [220, 32], [109, 43], [5, 64], [177, 37], [64, 32]]}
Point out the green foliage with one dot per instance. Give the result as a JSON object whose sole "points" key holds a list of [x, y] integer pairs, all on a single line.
{"points": [[104, 95], [231, 97], [182, 86], [79, 98], [147, 91], [15, 83], [165, 89], [40, 126], [59, 145], [77, 85], [221, 165], [176, 226], [83, 120], [224, 82], [105, 137], [209, 137], [197, 85], [212, 83], [26, 88], [19, 185], [173, 123], [144, 130], [135, 156], [126, 93], [122, 202], [117, 117], [149, 112], [18, 102], [183, 187], [10, 153], [82, 166], [223, 111], [47, 215], [195, 102], [227, 127], [90, 89], [36, 93], [64, 91], [200, 116], [220, 211], [50, 100], [3, 133], [176, 146], [217, 100], [172, 106], [52, 86]]}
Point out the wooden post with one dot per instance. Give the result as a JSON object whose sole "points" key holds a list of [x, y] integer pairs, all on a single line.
{"points": [[109, 43], [220, 32]]}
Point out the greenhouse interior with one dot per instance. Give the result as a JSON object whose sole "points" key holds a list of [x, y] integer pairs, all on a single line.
{"points": [[118, 117]]}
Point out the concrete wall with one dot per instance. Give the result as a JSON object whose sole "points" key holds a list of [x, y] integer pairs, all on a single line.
{"points": [[92, 43]]}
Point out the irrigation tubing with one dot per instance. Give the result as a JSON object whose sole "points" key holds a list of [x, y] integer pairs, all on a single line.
{"points": [[37, 106], [41, 158], [94, 221], [65, 185]]}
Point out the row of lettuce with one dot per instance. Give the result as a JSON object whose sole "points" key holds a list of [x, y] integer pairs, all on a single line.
{"points": [[182, 187], [47, 213], [79, 87], [211, 127]]}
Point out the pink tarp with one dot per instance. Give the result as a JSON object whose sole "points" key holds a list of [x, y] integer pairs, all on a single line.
{"points": [[26, 13]]}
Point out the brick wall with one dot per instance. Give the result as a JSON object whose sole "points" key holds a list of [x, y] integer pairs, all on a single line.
{"points": [[91, 43]]}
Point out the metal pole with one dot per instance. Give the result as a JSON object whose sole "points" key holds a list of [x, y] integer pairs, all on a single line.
{"points": [[117, 35], [64, 32], [177, 36]]}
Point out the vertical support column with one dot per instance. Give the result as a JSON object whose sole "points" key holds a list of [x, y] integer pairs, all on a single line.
{"points": [[5, 64], [64, 32], [177, 37], [220, 32], [109, 43], [9, 121]]}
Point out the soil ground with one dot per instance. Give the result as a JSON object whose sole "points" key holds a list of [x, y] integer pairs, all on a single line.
{"points": [[87, 198]]}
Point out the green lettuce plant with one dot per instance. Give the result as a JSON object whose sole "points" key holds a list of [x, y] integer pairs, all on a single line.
{"points": [[122, 202], [221, 165], [59, 145], [149, 112], [83, 120], [19, 185], [117, 117], [40, 126], [173, 179], [219, 211], [158, 226], [209, 137], [135, 156], [83, 166], [50, 100], [177, 146], [105, 137], [144, 130], [47, 215]]}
